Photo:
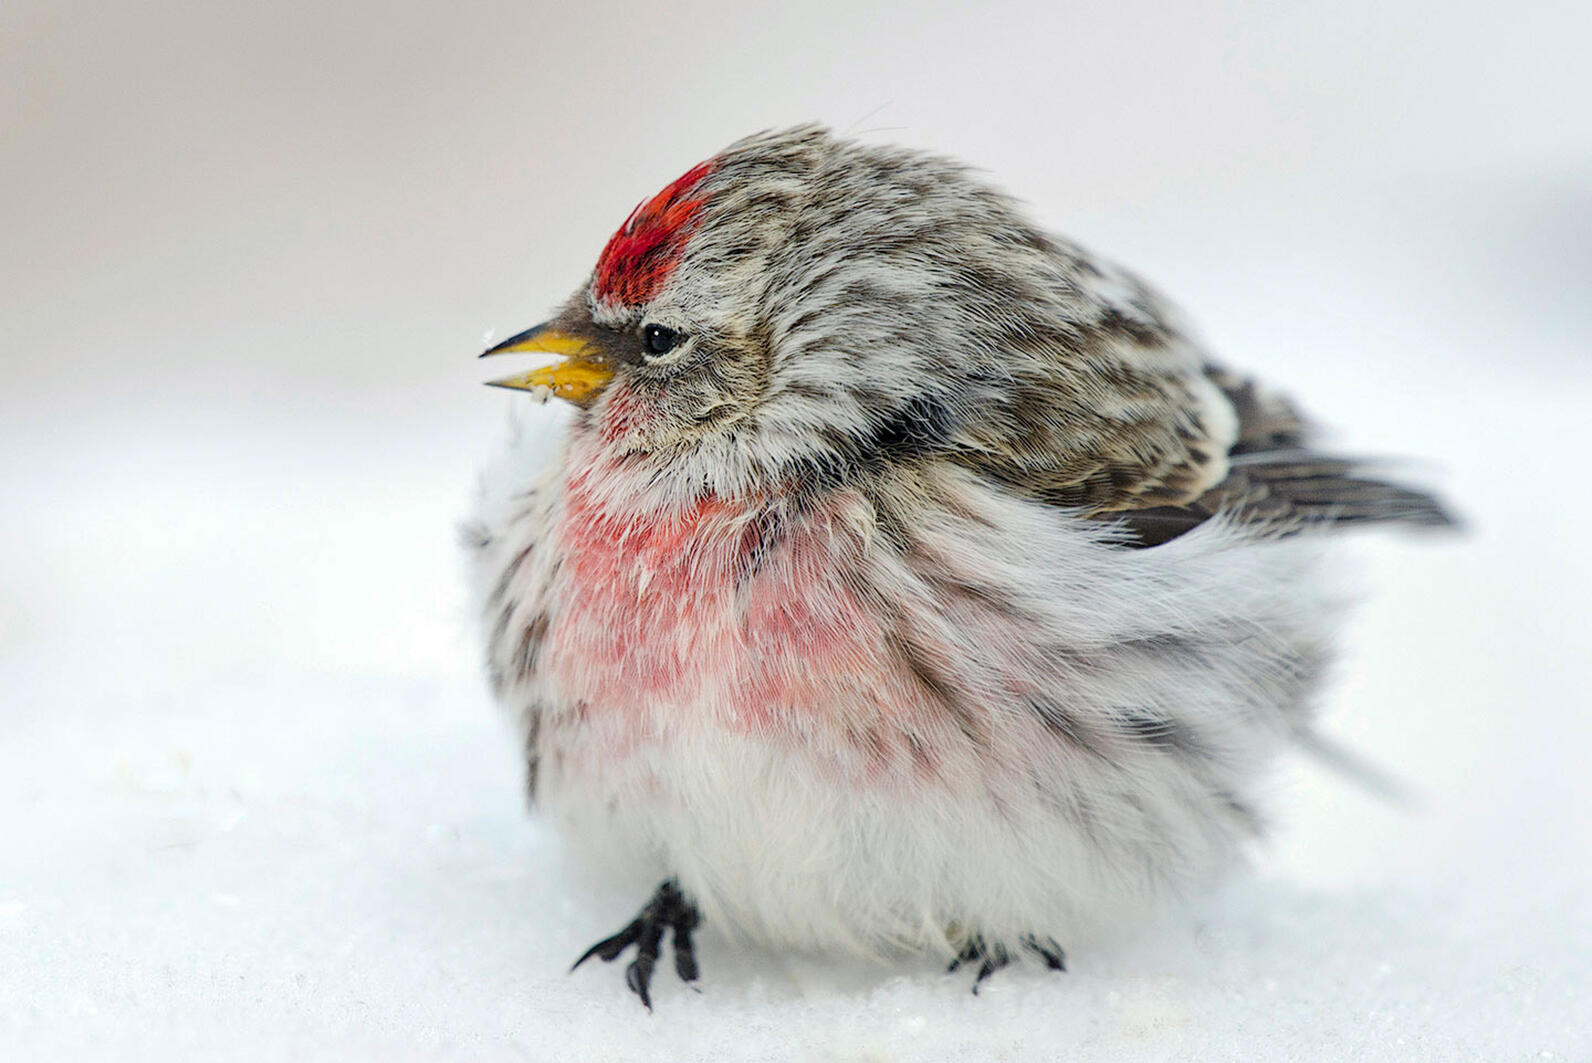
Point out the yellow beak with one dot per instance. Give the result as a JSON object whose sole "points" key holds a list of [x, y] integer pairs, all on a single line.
{"points": [[576, 379]]}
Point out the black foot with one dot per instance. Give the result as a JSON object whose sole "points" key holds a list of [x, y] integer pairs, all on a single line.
{"points": [[1047, 950], [667, 910], [992, 958]]}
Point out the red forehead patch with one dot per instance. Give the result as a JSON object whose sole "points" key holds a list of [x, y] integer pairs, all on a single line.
{"points": [[645, 250]]}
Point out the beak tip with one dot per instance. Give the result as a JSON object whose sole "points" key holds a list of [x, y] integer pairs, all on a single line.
{"points": [[581, 369], [520, 341]]}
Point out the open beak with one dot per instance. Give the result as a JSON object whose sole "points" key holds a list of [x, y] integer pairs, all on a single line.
{"points": [[577, 378]]}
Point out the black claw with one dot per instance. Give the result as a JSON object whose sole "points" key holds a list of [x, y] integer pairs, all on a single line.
{"points": [[685, 964], [610, 948], [638, 976], [1046, 950], [992, 958], [668, 910], [973, 950]]}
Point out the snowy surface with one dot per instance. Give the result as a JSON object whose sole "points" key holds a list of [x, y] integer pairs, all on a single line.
{"points": [[254, 800]]}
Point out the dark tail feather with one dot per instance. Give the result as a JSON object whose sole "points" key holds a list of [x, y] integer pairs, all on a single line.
{"points": [[1287, 491], [1311, 489]]}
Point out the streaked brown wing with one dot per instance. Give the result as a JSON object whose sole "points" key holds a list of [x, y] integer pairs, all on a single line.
{"points": [[1275, 481]]}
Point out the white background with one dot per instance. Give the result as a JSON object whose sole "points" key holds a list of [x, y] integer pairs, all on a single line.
{"points": [[254, 801]]}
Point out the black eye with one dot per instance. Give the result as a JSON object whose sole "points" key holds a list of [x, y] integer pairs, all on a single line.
{"points": [[659, 340]]}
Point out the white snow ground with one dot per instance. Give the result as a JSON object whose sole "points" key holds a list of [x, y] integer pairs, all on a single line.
{"points": [[254, 801]]}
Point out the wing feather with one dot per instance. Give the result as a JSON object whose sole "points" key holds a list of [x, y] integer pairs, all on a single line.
{"points": [[1275, 481]]}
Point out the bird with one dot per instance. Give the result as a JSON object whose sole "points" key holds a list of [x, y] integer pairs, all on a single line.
{"points": [[908, 579]]}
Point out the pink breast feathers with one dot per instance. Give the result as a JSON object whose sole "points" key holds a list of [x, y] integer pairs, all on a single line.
{"points": [[647, 248], [670, 616]]}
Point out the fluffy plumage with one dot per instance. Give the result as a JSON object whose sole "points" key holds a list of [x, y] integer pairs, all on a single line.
{"points": [[935, 588]]}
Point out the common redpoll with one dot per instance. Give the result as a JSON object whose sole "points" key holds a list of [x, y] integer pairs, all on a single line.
{"points": [[909, 579]]}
